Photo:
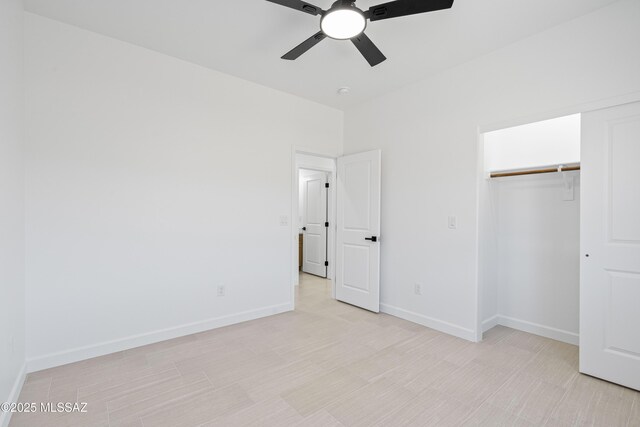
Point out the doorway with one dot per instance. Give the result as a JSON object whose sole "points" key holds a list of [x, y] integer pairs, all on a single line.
{"points": [[530, 228], [311, 175], [351, 229]]}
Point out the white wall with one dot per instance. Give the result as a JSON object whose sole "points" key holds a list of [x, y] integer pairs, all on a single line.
{"points": [[538, 261], [152, 181], [549, 142], [12, 288], [428, 133]]}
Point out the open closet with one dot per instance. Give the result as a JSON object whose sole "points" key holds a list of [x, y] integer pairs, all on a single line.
{"points": [[530, 228], [559, 235]]}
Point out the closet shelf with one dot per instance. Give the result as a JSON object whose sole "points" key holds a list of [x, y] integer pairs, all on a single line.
{"points": [[546, 169]]}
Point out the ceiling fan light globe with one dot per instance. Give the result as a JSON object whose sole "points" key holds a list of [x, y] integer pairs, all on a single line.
{"points": [[343, 23]]}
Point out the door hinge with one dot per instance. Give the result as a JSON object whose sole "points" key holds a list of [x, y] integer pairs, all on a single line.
{"points": [[326, 224], [326, 185], [326, 263]]}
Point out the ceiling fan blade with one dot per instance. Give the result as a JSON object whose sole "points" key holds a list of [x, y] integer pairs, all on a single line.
{"points": [[397, 8], [299, 5], [304, 46], [369, 50]]}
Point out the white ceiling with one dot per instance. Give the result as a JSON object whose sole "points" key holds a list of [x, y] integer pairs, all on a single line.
{"points": [[246, 38]]}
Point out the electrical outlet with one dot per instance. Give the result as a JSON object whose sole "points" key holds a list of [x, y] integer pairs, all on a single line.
{"points": [[417, 289], [284, 220], [221, 291]]}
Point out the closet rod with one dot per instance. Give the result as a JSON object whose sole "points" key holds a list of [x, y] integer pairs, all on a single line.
{"points": [[559, 168]]}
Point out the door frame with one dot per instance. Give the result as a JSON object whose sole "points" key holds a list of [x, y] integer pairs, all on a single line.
{"points": [[302, 158]]}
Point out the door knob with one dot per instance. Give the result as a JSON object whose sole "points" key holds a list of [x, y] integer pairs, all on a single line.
{"points": [[372, 238], [304, 228]]}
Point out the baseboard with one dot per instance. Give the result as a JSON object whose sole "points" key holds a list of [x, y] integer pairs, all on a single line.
{"points": [[108, 347], [5, 417], [437, 324], [537, 329], [490, 323]]}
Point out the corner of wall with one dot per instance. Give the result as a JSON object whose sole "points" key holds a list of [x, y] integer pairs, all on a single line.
{"points": [[5, 417], [12, 195]]}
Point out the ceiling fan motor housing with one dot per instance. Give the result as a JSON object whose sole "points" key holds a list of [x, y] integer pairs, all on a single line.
{"points": [[343, 13]]}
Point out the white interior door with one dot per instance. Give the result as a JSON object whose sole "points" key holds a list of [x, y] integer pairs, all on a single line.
{"points": [[610, 245], [358, 236], [314, 217]]}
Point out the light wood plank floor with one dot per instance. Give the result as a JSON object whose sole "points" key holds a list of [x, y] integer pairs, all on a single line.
{"points": [[330, 364]]}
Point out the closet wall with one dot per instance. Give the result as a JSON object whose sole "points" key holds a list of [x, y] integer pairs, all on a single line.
{"points": [[538, 255]]}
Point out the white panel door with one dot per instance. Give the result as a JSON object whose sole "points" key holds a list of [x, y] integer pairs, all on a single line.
{"points": [[610, 244], [314, 245], [358, 236]]}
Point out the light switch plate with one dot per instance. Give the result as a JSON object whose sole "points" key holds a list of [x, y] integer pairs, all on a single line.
{"points": [[452, 221]]}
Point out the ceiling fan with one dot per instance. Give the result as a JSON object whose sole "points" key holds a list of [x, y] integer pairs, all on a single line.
{"points": [[344, 21]]}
